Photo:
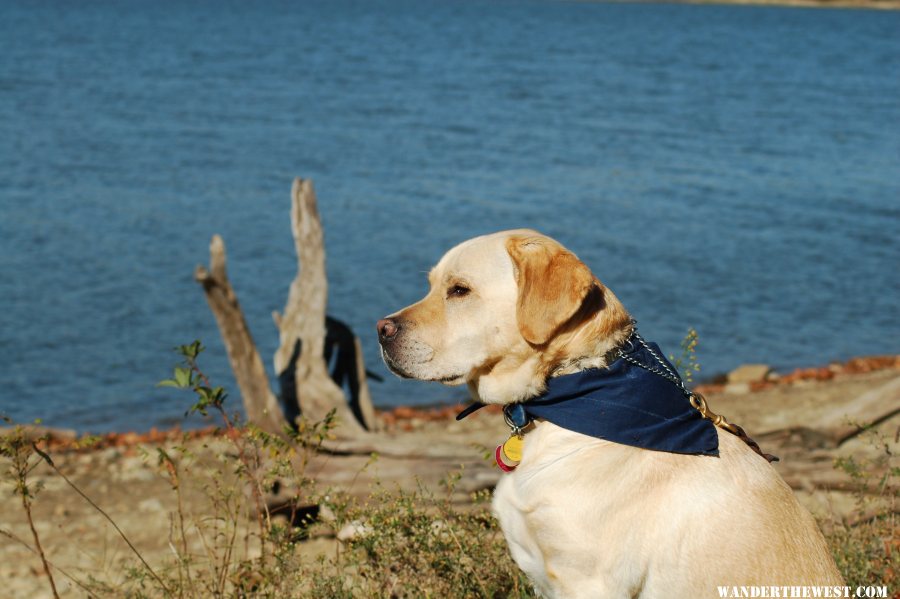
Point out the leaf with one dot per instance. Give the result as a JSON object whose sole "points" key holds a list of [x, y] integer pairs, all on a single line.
{"points": [[190, 351], [182, 376], [219, 395], [167, 383], [197, 407]]}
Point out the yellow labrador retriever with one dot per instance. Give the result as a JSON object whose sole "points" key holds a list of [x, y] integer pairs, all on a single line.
{"points": [[586, 517]]}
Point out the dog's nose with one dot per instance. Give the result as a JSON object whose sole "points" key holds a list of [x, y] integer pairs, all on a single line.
{"points": [[387, 329]]}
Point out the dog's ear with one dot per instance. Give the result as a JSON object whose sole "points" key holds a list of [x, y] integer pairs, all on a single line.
{"points": [[552, 283]]}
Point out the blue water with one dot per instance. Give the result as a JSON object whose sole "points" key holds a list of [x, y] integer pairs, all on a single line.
{"points": [[735, 169]]}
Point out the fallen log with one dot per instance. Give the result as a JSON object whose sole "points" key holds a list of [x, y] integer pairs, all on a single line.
{"points": [[835, 425]]}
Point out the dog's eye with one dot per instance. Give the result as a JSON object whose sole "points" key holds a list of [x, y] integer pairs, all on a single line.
{"points": [[458, 291]]}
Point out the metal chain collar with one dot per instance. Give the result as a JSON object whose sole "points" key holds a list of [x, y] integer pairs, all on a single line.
{"points": [[697, 400], [666, 372]]}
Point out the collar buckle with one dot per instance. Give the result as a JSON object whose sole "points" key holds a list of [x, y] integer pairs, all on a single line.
{"points": [[516, 417]]}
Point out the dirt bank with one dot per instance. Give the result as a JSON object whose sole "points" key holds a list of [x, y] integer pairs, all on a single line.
{"points": [[799, 417]]}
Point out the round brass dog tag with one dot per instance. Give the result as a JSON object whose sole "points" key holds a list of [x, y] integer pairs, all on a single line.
{"points": [[512, 449]]}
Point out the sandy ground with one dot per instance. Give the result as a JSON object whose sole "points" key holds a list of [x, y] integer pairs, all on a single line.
{"points": [[790, 420]]}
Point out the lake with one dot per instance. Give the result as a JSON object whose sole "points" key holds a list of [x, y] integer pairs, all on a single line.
{"points": [[730, 168]]}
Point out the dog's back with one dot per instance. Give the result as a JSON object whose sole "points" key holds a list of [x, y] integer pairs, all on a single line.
{"points": [[589, 518]]}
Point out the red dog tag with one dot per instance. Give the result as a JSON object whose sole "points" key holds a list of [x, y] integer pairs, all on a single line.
{"points": [[509, 454]]}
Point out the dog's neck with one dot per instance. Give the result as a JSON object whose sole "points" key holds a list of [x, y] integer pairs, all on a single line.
{"points": [[522, 374], [593, 344], [573, 365]]}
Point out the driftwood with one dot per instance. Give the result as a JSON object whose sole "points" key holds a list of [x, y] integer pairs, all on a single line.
{"points": [[260, 404], [300, 360], [869, 409], [835, 425]]}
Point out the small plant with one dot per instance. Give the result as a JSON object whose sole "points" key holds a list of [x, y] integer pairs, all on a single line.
{"points": [[249, 443], [189, 376], [687, 363], [867, 546], [22, 454]]}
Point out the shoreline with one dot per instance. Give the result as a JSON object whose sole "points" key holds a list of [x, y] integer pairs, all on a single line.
{"points": [[838, 4], [834, 4], [405, 417]]}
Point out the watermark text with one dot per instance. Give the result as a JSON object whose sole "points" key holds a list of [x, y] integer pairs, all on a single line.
{"points": [[799, 592]]}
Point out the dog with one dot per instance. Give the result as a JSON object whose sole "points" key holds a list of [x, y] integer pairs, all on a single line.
{"points": [[587, 517]]}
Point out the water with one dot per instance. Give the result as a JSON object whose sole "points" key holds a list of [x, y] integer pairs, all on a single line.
{"points": [[734, 169]]}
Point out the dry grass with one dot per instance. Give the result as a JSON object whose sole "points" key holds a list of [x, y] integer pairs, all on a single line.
{"points": [[867, 547], [407, 544]]}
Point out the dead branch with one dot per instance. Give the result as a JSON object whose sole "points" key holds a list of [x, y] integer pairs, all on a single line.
{"points": [[260, 404]]}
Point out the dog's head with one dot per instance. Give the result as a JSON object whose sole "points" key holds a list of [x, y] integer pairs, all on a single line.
{"points": [[504, 312]]}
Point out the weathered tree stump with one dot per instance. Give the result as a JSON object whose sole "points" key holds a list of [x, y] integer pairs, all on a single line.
{"points": [[300, 358]]}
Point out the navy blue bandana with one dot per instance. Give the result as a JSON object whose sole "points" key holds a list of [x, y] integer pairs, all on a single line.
{"points": [[623, 403]]}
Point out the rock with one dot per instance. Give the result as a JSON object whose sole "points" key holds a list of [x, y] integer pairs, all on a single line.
{"points": [[806, 375], [870, 363], [354, 530], [749, 373], [326, 514], [151, 505], [740, 388]]}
